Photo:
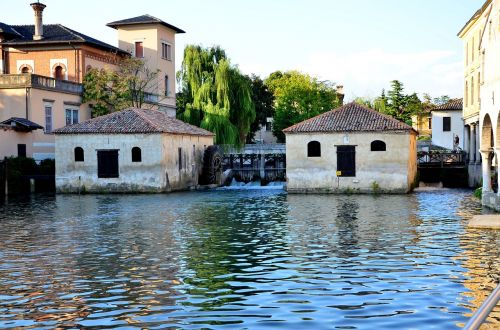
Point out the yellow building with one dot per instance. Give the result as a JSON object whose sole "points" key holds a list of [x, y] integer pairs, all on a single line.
{"points": [[422, 122], [471, 35], [152, 40]]}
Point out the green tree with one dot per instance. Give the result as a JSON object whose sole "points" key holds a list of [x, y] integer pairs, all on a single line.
{"points": [[114, 90], [298, 97], [443, 99], [364, 101], [398, 104], [263, 100], [215, 95]]}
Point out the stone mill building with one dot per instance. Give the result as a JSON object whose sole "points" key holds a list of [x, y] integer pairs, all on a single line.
{"points": [[351, 149]]}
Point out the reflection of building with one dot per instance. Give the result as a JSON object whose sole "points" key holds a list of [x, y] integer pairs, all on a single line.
{"points": [[481, 271], [351, 148], [448, 125], [133, 150], [42, 67]]}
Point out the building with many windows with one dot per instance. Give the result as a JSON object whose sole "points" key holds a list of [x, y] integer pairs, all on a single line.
{"points": [[351, 149], [489, 49], [471, 35], [42, 67]]}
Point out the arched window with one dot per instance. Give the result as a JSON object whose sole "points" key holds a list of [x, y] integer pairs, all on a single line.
{"points": [[314, 149], [378, 145], [59, 72], [79, 156], [26, 69], [136, 154], [88, 68]]}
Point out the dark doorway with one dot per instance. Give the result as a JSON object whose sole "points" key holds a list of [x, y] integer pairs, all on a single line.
{"points": [[107, 164], [346, 160]]}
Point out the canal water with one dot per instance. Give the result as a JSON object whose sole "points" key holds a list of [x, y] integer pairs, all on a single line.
{"points": [[245, 259]]}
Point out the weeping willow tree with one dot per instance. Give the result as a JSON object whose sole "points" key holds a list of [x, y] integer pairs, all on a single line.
{"points": [[215, 95]]}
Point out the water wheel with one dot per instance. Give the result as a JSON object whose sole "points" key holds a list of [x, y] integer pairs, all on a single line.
{"points": [[212, 165]]}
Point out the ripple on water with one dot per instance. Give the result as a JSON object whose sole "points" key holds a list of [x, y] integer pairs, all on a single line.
{"points": [[244, 259]]}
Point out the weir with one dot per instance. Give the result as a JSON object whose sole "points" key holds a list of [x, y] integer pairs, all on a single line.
{"points": [[262, 163]]}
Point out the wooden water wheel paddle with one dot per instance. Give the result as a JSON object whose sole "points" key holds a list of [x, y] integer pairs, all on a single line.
{"points": [[212, 164]]}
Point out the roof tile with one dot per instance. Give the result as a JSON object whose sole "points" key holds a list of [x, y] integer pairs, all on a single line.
{"points": [[351, 117], [53, 33], [455, 104], [133, 121]]}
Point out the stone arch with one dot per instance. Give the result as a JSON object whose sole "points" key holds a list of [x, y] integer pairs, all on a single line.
{"points": [[25, 68], [486, 133]]}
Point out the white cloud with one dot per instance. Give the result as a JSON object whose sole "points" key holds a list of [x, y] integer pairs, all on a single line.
{"points": [[366, 73]]}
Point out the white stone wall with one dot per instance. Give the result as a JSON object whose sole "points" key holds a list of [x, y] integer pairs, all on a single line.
{"points": [[393, 170], [159, 158], [186, 175], [445, 139], [490, 84]]}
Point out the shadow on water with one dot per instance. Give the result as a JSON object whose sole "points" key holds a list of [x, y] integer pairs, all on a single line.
{"points": [[252, 259]]}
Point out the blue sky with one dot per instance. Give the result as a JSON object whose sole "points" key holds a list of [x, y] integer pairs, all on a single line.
{"points": [[362, 44]]}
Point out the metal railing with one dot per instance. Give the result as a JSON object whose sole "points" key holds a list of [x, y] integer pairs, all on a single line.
{"points": [[482, 313], [441, 158]]}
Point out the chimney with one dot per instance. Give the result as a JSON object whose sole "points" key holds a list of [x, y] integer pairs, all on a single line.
{"points": [[38, 8], [340, 93]]}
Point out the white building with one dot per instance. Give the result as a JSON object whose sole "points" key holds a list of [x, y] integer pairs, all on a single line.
{"points": [[489, 48], [448, 125], [351, 149], [133, 150]]}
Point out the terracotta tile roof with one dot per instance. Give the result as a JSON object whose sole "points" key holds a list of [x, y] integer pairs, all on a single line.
{"points": [[132, 121], [351, 117], [143, 19], [455, 104]]}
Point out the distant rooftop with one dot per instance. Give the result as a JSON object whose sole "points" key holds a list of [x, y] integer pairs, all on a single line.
{"points": [[143, 19], [52, 34], [455, 104], [133, 121], [351, 117]]}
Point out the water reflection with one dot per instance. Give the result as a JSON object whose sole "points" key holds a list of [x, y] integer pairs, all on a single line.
{"points": [[255, 259]]}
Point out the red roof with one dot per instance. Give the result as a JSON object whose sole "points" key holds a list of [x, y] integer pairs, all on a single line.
{"points": [[351, 117], [133, 121]]}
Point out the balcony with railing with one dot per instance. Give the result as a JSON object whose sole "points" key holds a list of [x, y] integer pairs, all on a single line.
{"points": [[27, 80]]}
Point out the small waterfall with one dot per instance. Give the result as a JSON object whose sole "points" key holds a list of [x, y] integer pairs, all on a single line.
{"points": [[234, 185]]}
